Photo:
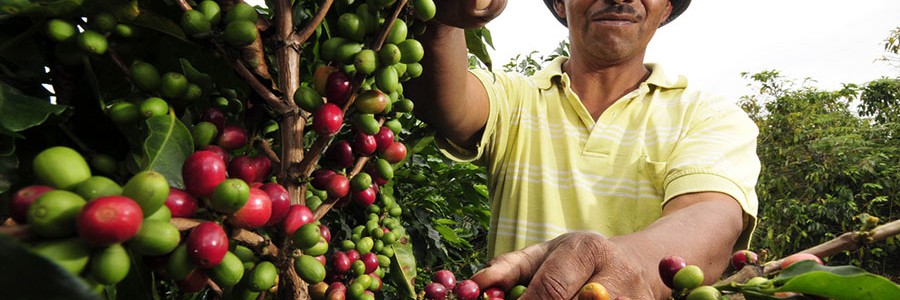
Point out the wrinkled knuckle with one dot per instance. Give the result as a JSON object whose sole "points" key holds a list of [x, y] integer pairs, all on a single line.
{"points": [[555, 288]]}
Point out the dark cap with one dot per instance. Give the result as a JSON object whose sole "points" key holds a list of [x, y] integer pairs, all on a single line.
{"points": [[678, 7]]}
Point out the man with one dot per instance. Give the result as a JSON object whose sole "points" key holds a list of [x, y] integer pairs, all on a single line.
{"points": [[599, 165]]}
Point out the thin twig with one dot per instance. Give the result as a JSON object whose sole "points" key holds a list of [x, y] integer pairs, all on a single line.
{"points": [[254, 83], [315, 152], [306, 32], [120, 63], [184, 5], [267, 150]]}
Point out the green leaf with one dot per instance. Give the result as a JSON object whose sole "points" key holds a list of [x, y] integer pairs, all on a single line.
{"points": [[151, 20], [49, 8], [477, 40], [9, 164], [403, 268], [840, 282], [21, 112], [448, 233], [195, 76], [168, 144], [139, 283], [422, 143], [25, 275]]}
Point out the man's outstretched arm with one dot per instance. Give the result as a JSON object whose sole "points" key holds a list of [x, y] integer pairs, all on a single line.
{"points": [[446, 95], [701, 227]]}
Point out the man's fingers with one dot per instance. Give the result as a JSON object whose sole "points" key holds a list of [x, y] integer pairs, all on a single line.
{"points": [[564, 271], [488, 6], [512, 268]]}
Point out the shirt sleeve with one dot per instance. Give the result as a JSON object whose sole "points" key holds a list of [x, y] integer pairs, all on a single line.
{"points": [[496, 86], [717, 153]]}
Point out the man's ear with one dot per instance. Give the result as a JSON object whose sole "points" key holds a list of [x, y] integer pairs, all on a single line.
{"points": [[560, 7], [666, 13]]}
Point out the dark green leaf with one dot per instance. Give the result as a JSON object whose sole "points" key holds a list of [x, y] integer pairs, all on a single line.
{"points": [[421, 143], [475, 41], [168, 144], [139, 283], [840, 282], [403, 268], [9, 165], [21, 112], [49, 8], [151, 20], [195, 76], [25, 275], [448, 234]]}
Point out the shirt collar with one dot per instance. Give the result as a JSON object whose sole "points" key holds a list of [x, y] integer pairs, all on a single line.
{"points": [[546, 77]]}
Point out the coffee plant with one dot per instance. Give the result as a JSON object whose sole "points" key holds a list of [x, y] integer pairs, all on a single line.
{"points": [[211, 148]]}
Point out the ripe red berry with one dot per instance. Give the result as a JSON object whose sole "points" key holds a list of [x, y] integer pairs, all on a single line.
{"points": [[340, 154], [668, 266], [328, 119], [255, 213], [215, 116], [467, 290], [435, 291], [180, 203], [364, 197], [207, 244], [325, 232], [384, 138], [494, 292], [281, 201], [340, 262], [217, 150], [321, 178], [109, 220], [742, 258], [364, 144], [394, 153], [353, 255], [793, 258], [250, 169], [338, 187], [194, 282], [18, 205], [297, 216], [371, 261], [337, 88], [444, 277], [202, 172], [232, 137]]}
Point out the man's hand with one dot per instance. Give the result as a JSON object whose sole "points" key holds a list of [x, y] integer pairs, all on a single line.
{"points": [[560, 268], [468, 13], [700, 227]]}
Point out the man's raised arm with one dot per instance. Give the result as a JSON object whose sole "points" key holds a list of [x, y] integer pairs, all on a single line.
{"points": [[447, 96]]}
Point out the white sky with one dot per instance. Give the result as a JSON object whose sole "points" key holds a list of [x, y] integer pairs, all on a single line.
{"points": [[829, 41]]}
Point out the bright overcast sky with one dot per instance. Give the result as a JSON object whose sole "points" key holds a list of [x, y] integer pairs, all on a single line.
{"points": [[829, 41]]}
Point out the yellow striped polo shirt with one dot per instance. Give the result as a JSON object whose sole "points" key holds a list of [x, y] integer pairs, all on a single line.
{"points": [[552, 169]]}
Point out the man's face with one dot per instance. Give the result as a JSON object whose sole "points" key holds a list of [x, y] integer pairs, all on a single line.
{"points": [[613, 30]]}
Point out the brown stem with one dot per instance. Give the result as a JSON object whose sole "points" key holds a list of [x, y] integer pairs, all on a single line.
{"points": [[844, 242], [184, 5], [326, 206], [255, 57], [20, 232], [215, 287], [254, 82], [306, 32], [267, 150], [292, 124], [387, 25], [120, 63]]}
